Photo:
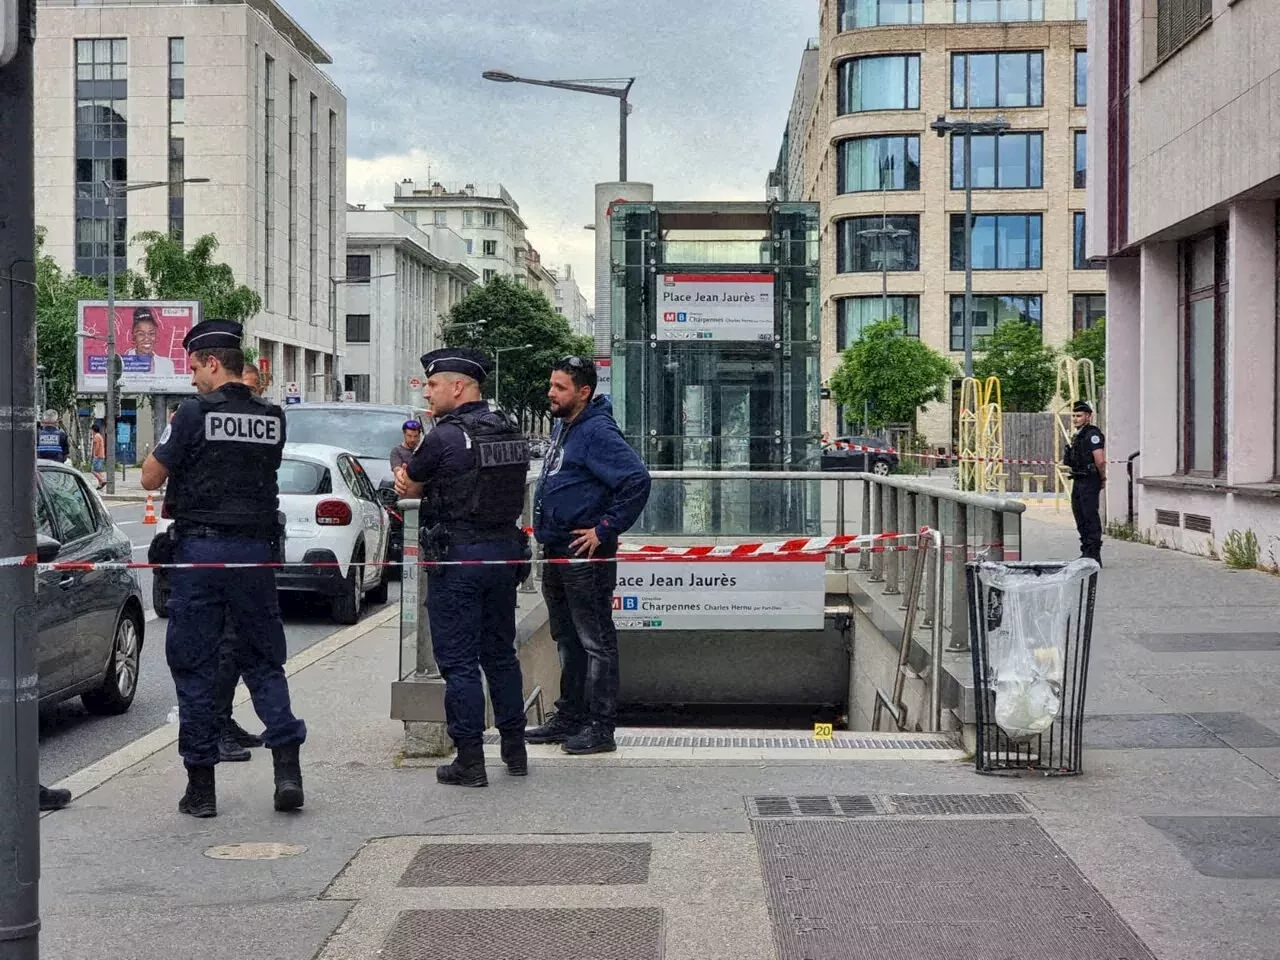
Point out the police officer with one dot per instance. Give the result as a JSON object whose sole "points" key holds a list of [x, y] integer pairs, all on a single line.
{"points": [[470, 472], [1087, 460], [220, 454], [51, 440]]}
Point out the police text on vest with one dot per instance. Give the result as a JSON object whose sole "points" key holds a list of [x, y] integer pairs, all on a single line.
{"points": [[242, 428]]}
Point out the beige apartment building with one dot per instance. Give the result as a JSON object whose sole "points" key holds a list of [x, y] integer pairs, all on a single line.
{"points": [[892, 191]]}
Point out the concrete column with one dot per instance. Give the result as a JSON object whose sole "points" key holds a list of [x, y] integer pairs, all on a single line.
{"points": [[606, 194], [1160, 324], [1123, 390]]}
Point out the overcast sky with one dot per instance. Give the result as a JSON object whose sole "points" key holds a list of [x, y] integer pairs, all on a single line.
{"points": [[714, 82]]}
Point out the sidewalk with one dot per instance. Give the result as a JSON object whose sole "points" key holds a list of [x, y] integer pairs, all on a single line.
{"points": [[129, 490], [1176, 823]]}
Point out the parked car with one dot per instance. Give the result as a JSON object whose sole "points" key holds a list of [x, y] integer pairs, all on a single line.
{"points": [[90, 623], [880, 459]]}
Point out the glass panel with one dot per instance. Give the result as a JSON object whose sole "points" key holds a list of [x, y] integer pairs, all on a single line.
{"points": [[1202, 263], [854, 314], [982, 80], [1013, 80], [177, 111], [1082, 78], [984, 163], [1200, 350], [880, 83], [870, 244], [1013, 160], [879, 163], [1035, 160], [959, 79], [1035, 72], [1081, 159]]}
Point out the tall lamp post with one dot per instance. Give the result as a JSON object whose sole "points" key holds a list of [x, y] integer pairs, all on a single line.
{"points": [[335, 381], [115, 190], [967, 128], [497, 369], [621, 90]]}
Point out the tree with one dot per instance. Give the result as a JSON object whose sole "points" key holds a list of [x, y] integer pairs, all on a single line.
{"points": [[890, 375], [1091, 344], [57, 321], [1026, 366], [171, 271], [512, 316]]}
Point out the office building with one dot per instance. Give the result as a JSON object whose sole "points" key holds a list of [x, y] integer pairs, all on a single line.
{"points": [[569, 301], [786, 180], [892, 192], [234, 91], [1184, 179], [401, 282]]}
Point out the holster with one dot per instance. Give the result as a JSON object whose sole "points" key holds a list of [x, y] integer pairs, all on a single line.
{"points": [[163, 549], [433, 543]]}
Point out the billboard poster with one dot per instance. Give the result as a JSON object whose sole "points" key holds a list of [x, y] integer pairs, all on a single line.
{"points": [[149, 335], [715, 306], [604, 376], [727, 593]]}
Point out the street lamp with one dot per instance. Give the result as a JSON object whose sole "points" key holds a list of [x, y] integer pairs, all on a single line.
{"points": [[114, 190], [620, 90], [335, 381], [967, 128], [497, 368]]}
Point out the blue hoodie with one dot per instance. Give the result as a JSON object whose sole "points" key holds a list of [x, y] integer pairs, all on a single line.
{"points": [[591, 478]]}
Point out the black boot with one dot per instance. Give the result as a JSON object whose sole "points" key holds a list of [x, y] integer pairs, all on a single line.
{"points": [[557, 729], [52, 799], [593, 738], [288, 773], [233, 731], [514, 754], [230, 751], [201, 799], [467, 770]]}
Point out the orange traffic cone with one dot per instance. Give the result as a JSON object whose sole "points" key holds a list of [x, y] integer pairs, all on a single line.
{"points": [[150, 516]]}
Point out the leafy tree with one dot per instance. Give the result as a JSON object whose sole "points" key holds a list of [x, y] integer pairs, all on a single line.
{"points": [[171, 271], [1026, 366], [56, 323], [1091, 344], [890, 375], [502, 314]]}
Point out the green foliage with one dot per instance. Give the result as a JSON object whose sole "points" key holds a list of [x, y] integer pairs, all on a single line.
{"points": [[1241, 550], [514, 315], [890, 375], [57, 292], [171, 271], [1091, 344], [1026, 366]]}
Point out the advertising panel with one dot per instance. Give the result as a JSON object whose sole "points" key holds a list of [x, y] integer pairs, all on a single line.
{"points": [[149, 335], [604, 376], [715, 306], [728, 593]]}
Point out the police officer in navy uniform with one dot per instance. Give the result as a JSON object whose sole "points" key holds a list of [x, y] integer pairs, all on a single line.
{"points": [[470, 472], [51, 440], [220, 454], [1087, 460]]}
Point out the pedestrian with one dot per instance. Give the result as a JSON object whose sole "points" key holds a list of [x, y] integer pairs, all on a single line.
{"points": [[592, 490], [471, 471], [98, 455], [402, 453], [52, 442], [1086, 458], [220, 454]]}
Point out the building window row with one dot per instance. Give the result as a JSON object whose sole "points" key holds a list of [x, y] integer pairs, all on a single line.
{"points": [[1177, 21], [879, 83], [358, 328], [177, 136], [1079, 259], [101, 154], [269, 177], [978, 81], [1202, 302], [878, 163], [876, 244], [313, 210], [989, 311], [854, 14], [855, 314], [1007, 161], [292, 266], [1001, 241], [984, 80]]}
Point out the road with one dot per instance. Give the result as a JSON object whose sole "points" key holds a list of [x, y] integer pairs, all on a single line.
{"points": [[71, 739]]}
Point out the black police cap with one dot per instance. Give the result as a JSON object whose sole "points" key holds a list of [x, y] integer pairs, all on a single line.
{"points": [[214, 335], [1082, 406], [468, 362]]}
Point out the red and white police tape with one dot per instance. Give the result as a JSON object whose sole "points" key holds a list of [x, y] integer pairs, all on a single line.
{"points": [[952, 457]]}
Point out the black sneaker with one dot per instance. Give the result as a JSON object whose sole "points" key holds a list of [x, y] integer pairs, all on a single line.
{"points": [[233, 731], [52, 798], [557, 729], [594, 738], [229, 751]]}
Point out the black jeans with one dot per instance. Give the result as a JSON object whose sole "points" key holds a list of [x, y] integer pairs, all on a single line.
{"points": [[580, 607], [1085, 494]]}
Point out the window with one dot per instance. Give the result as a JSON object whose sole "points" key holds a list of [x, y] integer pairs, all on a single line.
{"points": [[872, 244], [1177, 21], [1081, 157], [1082, 9], [1203, 296], [313, 208], [358, 384], [879, 13], [177, 135], [1008, 161], [468, 218], [489, 275], [102, 59], [988, 313], [1001, 241], [1079, 260], [997, 79], [491, 248], [76, 517], [998, 11], [359, 267], [292, 279], [879, 83], [269, 178], [1082, 78], [878, 163], [44, 523], [1086, 310], [855, 314], [490, 218], [331, 172], [442, 218], [358, 328], [470, 246]]}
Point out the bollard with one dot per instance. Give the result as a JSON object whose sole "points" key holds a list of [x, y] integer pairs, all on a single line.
{"points": [[877, 527], [893, 558], [959, 585], [864, 558]]}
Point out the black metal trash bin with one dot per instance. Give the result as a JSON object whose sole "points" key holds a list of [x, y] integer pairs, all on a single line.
{"points": [[1030, 626]]}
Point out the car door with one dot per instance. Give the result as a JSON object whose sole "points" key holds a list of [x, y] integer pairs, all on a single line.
{"points": [[55, 638], [372, 514]]}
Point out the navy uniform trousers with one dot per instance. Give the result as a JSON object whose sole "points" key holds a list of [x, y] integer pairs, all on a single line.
{"points": [[198, 603], [472, 611]]}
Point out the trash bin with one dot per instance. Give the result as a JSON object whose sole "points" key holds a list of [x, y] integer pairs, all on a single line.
{"points": [[1030, 626]]}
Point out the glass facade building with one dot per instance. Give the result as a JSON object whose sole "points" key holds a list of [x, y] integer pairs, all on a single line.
{"points": [[712, 383]]}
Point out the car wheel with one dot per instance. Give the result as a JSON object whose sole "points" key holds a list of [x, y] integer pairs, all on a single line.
{"points": [[880, 468], [160, 599], [345, 607], [120, 682]]}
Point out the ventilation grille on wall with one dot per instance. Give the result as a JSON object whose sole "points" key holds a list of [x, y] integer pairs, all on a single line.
{"points": [[1168, 518], [1193, 521]]}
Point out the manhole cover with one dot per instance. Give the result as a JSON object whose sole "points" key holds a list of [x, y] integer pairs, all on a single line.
{"points": [[254, 851]]}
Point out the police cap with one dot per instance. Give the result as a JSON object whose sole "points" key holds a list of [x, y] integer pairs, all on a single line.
{"points": [[1082, 406], [214, 335], [470, 363]]}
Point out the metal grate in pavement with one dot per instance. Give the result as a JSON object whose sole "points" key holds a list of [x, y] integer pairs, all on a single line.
{"points": [[621, 934], [932, 890], [838, 742], [527, 864], [936, 805]]}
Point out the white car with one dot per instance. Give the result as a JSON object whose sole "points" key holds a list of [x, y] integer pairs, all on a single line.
{"points": [[332, 516]]}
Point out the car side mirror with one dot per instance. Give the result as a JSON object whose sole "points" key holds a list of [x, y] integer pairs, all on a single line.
{"points": [[47, 549]]}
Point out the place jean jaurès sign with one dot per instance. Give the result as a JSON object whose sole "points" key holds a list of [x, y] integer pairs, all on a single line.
{"points": [[715, 306]]}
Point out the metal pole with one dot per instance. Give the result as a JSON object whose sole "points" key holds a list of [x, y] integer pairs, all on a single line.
{"points": [[864, 558], [111, 340], [19, 682], [840, 522], [968, 253], [333, 323], [497, 377], [622, 139], [892, 559]]}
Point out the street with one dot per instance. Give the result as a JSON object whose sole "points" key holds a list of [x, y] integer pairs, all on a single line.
{"points": [[71, 739]]}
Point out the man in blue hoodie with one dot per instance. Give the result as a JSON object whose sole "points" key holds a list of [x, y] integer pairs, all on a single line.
{"points": [[593, 488]]}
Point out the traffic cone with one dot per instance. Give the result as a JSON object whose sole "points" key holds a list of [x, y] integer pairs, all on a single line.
{"points": [[150, 516]]}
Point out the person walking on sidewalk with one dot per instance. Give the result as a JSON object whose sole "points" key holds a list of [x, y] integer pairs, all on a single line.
{"points": [[98, 454], [1087, 460], [592, 489], [470, 472], [221, 452]]}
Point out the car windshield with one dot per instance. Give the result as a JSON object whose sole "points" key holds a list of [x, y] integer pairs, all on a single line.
{"points": [[366, 433], [302, 477]]}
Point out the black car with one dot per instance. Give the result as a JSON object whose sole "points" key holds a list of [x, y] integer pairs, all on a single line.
{"points": [[90, 623], [879, 459]]}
